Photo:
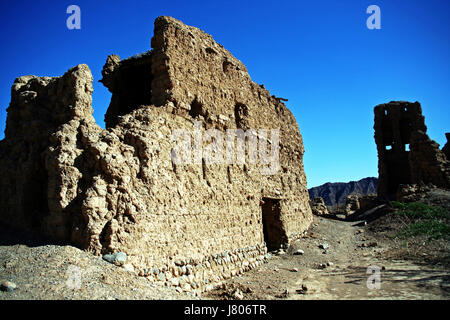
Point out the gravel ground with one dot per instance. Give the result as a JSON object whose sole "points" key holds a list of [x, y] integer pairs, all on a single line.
{"points": [[67, 273]]}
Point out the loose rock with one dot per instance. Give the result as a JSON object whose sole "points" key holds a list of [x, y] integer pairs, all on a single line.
{"points": [[119, 259], [238, 295], [128, 267], [8, 286], [302, 290]]}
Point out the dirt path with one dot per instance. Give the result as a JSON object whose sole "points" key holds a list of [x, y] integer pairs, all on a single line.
{"points": [[351, 251]]}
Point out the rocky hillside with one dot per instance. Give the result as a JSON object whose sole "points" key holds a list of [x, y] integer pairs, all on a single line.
{"points": [[335, 193]]}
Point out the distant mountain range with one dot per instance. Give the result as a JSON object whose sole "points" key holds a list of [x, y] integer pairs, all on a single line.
{"points": [[336, 193]]}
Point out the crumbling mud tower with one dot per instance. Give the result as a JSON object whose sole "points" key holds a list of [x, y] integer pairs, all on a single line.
{"points": [[406, 155], [446, 148], [119, 188]]}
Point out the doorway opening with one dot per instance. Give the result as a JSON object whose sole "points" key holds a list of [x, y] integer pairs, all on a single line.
{"points": [[274, 234]]}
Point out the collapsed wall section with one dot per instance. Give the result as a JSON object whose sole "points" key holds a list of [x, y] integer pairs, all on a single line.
{"points": [[130, 82]]}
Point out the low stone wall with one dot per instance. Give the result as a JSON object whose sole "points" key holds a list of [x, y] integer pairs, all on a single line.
{"points": [[203, 274]]}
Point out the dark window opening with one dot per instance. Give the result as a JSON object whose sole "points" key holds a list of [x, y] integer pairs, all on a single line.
{"points": [[196, 109], [274, 234]]}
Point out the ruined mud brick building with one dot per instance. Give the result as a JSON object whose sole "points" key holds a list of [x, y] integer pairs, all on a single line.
{"points": [[117, 189], [406, 155]]}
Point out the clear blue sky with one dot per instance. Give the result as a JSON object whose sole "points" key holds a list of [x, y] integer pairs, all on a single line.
{"points": [[318, 54]]}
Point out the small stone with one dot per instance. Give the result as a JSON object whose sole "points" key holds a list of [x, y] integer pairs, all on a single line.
{"points": [[183, 270], [322, 265], [178, 263], [175, 282], [179, 290], [189, 270], [121, 259], [128, 267], [183, 280], [303, 289], [294, 270], [324, 246], [8, 286], [330, 264], [238, 295], [161, 276], [299, 252], [109, 258], [187, 287], [209, 287]]}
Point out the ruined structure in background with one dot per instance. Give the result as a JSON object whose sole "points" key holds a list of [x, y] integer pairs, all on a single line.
{"points": [[351, 204], [446, 148], [118, 189], [406, 155], [356, 203], [318, 207]]}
